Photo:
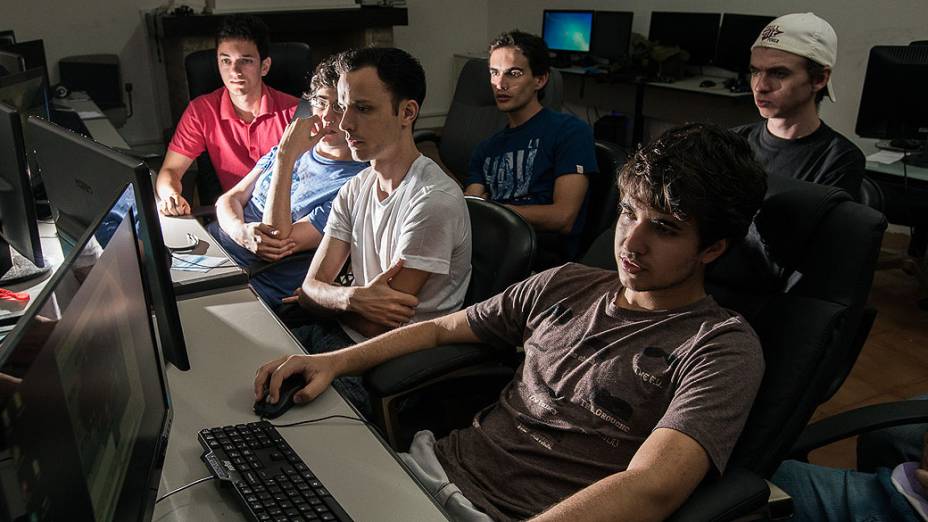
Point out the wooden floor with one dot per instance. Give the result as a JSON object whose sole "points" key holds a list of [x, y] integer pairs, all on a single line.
{"points": [[893, 364]]}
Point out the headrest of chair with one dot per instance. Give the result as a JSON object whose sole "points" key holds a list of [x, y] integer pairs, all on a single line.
{"points": [[473, 87], [780, 238]]}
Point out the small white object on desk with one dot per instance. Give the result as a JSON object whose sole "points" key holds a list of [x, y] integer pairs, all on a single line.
{"points": [[885, 157], [197, 263]]}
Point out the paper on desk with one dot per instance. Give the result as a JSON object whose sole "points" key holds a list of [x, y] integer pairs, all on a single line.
{"points": [[196, 263], [885, 156], [89, 115]]}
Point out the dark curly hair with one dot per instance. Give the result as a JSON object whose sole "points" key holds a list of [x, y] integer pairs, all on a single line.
{"points": [[698, 171], [398, 70], [245, 27], [325, 74]]}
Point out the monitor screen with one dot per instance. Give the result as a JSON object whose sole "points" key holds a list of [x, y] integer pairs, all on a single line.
{"points": [[18, 222], [736, 36], [81, 177], [567, 31], [84, 407], [695, 33], [612, 31]]}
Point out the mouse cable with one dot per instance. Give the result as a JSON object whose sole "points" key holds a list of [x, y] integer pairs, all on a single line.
{"points": [[327, 417], [224, 264], [178, 490]]}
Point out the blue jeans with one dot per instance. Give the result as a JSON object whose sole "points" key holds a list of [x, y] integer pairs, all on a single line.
{"points": [[837, 495], [327, 336]]}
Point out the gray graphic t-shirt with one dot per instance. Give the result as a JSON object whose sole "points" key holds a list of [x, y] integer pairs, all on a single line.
{"points": [[596, 381]]}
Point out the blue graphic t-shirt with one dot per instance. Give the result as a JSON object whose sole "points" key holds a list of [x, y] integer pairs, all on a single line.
{"points": [[315, 183], [519, 165]]}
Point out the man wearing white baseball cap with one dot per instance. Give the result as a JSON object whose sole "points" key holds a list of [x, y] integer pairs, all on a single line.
{"points": [[791, 65]]}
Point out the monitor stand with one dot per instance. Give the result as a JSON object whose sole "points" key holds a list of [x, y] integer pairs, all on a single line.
{"points": [[21, 269]]}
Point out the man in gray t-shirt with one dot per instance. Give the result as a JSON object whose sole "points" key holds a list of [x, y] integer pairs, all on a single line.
{"points": [[635, 384]]}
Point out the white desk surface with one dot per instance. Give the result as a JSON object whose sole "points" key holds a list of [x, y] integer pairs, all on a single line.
{"points": [[100, 127], [896, 169], [175, 230], [692, 85], [228, 336]]}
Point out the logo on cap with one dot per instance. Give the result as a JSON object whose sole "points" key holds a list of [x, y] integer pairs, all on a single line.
{"points": [[770, 33]]}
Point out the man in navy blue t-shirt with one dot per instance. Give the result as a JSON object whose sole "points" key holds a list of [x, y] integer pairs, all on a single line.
{"points": [[538, 165]]}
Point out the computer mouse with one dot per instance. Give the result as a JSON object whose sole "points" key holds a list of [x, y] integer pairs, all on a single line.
{"points": [[707, 83], [288, 389]]}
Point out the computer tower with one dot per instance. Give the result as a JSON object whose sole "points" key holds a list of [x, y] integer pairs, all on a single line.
{"points": [[96, 74]]}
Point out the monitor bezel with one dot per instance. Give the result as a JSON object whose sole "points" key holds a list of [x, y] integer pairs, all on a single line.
{"points": [[25, 239]]}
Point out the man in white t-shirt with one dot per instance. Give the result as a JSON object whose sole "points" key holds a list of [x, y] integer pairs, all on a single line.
{"points": [[402, 221]]}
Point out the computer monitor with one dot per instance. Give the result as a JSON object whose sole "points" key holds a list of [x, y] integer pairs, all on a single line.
{"points": [[567, 31], [84, 405], [26, 92], [736, 35], [696, 33], [18, 223], [892, 104], [7, 36], [32, 51], [612, 32], [81, 177]]}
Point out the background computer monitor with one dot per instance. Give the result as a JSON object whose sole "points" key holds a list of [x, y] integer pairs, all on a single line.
{"points": [[81, 177], [736, 35], [892, 104], [84, 405], [567, 31], [18, 223], [32, 51], [612, 31], [696, 33], [7, 36], [26, 92]]}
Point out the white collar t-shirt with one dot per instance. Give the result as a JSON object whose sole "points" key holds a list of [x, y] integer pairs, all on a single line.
{"points": [[424, 222]]}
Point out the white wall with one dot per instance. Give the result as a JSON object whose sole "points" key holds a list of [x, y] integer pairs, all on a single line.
{"points": [[439, 28], [860, 26]]}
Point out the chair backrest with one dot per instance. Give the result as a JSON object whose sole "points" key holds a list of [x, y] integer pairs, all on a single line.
{"points": [[12, 62], [291, 69], [801, 278], [503, 249], [473, 116], [603, 194], [871, 194]]}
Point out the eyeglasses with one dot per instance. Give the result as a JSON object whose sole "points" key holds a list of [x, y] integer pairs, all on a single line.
{"points": [[323, 105]]}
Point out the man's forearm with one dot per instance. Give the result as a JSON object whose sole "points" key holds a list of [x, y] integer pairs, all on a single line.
{"points": [[623, 496], [277, 209], [451, 328], [168, 182], [325, 299], [230, 215], [546, 218]]}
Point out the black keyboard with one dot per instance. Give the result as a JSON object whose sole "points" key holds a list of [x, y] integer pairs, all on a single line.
{"points": [[270, 479]]}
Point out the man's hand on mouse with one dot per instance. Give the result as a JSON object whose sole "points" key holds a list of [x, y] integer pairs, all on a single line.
{"points": [[318, 370]]}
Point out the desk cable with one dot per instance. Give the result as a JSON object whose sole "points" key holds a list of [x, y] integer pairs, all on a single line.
{"points": [[320, 419], [178, 490]]}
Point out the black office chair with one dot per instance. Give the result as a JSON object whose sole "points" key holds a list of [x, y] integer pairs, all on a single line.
{"points": [[291, 69], [473, 115], [502, 254], [603, 201]]}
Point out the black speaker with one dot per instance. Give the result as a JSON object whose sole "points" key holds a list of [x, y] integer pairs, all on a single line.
{"points": [[96, 74]]}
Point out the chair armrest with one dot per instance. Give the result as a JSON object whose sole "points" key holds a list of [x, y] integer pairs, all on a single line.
{"points": [[420, 136], [739, 492], [412, 370], [857, 421]]}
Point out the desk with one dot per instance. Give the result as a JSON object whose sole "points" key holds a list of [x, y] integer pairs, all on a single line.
{"points": [[51, 250], [656, 106], [101, 130], [228, 336], [175, 230]]}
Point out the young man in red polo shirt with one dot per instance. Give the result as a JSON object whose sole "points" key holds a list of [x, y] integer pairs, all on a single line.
{"points": [[235, 124]]}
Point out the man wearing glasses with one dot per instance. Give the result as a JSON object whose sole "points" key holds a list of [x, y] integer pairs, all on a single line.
{"points": [[282, 205]]}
